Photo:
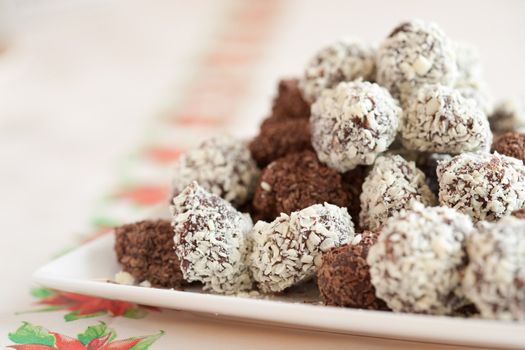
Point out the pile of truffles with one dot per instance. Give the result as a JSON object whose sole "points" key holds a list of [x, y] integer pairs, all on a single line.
{"points": [[375, 175]]}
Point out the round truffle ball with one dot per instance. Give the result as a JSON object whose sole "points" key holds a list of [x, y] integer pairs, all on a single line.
{"points": [[416, 263], [279, 139], [145, 249], [511, 144], [508, 115], [495, 276], [353, 123], [288, 250], [440, 120], [392, 184], [289, 102], [221, 165], [484, 186], [297, 181], [211, 240], [344, 60], [415, 53], [344, 278]]}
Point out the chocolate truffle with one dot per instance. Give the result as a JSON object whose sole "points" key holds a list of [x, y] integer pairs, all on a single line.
{"points": [[344, 278], [416, 263], [392, 184], [415, 53], [211, 240], [520, 213], [221, 165], [344, 60], [484, 186], [297, 181], [288, 250], [440, 120], [508, 115], [495, 276], [511, 144], [289, 102], [145, 250], [353, 123], [279, 139]]}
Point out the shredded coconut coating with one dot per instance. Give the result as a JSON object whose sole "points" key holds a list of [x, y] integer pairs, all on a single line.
{"points": [[440, 120], [415, 53], [416, 264], [288, 250], [344, 60], [484, 186], [495, 277], [353, 123], [211, 240], [392, 184], [508, 115], [221, 165]]}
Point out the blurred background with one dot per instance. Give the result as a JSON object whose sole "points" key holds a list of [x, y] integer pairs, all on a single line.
{"points": [[87, 86]]}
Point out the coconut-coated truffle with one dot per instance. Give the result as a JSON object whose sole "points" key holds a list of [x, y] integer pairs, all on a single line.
{"points": [[484, 186], [145, 249], [344, 278], [508, 115], [510, 144], [297, 181], [221, 165], [353, 123], [415, 266], [211, 240], [279, 139], [343, 60], [495, 276], [289, 102], [288, 250], [440, 120], [392, 184], [415, 53]]}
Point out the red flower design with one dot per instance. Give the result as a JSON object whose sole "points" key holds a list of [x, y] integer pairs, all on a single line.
{"points": [[84, 306], [96, 337], [163, 154]]}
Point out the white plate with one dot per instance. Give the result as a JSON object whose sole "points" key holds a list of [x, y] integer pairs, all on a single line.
{"points": [[87, 269]]}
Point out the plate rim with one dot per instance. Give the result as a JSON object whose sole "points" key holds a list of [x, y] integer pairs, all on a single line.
{"points": [[399, 326]]}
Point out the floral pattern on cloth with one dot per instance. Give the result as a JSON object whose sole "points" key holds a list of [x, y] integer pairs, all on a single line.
{"points": [[95, 337], [84, 306]]}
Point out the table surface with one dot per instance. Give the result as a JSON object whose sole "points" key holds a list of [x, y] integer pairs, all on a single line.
{"points": [[97, 98]]}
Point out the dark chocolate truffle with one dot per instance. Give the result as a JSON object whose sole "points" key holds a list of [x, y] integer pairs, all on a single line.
{"points": [[297, 181], [279, 139], [145, 249], [511, 144], [289, 102], [344, 277]]}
